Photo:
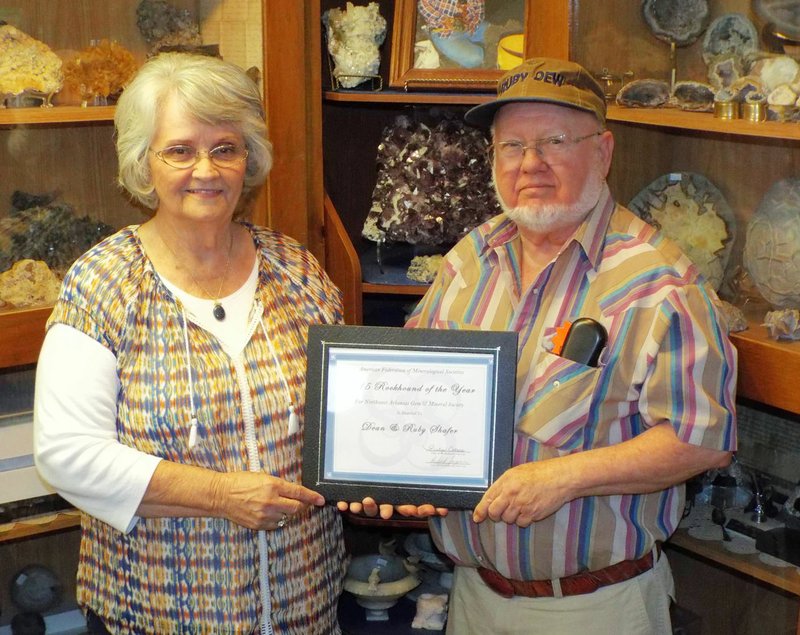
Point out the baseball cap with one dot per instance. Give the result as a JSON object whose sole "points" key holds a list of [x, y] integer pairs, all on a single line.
{"points": [[546, 80]]}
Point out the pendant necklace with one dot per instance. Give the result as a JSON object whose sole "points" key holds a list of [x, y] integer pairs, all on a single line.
{"points": [[219, 311]]}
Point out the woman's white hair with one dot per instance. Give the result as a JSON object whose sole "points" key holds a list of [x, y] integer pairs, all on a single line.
{"points": [[212, 91]]}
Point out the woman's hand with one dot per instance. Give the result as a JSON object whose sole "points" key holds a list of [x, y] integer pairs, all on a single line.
{"points": [[370, 508], [259, 501]]}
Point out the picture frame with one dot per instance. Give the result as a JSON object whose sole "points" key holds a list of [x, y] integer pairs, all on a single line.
{"points": [[408, 27], [408, 416]]}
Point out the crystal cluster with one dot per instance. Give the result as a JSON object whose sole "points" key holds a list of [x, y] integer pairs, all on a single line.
{"points": [[28, 283], [39, 228], [434, 183], [354, 35], [101, 70], [165, 26], [27, 65]]}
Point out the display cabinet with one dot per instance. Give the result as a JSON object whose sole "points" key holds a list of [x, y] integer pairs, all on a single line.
{"points": [[741, 158]]}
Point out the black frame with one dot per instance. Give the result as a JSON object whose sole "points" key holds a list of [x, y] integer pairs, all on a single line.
{"points": [[501, 345]]}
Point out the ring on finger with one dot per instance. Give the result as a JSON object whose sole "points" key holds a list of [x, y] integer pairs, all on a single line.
{"points": [[283, 520]]}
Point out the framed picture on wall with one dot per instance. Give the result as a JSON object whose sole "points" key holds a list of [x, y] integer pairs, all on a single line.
{"points": [[457, 44]]}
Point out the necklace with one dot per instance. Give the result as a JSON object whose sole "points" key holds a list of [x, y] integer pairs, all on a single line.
{"points": [[219, 311]]}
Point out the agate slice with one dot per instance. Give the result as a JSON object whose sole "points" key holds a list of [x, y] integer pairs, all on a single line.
{"points": [[678, 21], [692, 212], [644, 93], [730, 34]]}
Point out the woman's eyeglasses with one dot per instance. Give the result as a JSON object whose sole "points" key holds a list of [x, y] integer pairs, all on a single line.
{"points": [[227, 155]]}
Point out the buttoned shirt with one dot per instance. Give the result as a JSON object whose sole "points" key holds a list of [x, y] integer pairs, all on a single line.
{"points": [[668, 359]]}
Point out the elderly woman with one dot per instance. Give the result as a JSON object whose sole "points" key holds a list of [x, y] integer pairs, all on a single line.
{"points": [[169, 391]]}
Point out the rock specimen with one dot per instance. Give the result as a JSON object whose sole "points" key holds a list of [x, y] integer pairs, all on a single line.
{"points": [[678, 21], [644, 93], [694, 214], [730, 34], [772, 245], [434, 182], [99, 71], [28, 283], [39, 228], [27, 66], [354, 36], [694, 96], [163, 25]]}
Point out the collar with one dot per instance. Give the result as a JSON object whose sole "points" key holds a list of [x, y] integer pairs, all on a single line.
{"points": [[590, 234]]}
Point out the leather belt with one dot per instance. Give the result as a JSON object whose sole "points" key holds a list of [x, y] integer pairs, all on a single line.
{"points": [[576, 584]]}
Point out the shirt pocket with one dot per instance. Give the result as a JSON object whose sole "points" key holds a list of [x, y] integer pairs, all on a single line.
{"points": [[557, 404]]}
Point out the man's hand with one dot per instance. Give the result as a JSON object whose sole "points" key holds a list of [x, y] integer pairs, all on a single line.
{"points": [[523, 494], [370, 508]]}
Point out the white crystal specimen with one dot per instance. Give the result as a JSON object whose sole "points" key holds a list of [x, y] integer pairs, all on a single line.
{"points": [[27, 65], [354, 35]]}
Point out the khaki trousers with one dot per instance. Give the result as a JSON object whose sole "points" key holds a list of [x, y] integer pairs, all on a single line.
{"points": [[639, 606]]}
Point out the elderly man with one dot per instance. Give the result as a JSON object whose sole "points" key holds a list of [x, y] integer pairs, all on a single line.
{"points": [[568, 539]]}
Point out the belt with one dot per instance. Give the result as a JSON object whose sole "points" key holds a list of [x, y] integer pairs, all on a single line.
{"points": [[576, 584]]}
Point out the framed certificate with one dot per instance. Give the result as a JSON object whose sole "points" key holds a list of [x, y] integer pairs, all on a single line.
{"points": [[408, 415]]}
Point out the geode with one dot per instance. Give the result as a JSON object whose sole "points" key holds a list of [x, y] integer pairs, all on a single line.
{"points": [[434, 182], [644, 93], [730, 34], [772, 245], [40, 228], [691, 211], [27, 66], [354, 35], [694, 96], [679, 21]]}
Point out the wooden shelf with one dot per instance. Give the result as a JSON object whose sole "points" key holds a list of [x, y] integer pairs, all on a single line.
{"points": [[55, 115], [656, 117], [401, 97], [21, 335], [394, 289], [36, 526], [786, 578], [768, 368]]}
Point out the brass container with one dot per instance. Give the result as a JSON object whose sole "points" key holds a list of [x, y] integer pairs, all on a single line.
{"points": [[728, 109], [756, 111]]}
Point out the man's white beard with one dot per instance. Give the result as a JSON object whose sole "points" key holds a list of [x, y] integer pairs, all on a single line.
{"points": [[543, 218]]}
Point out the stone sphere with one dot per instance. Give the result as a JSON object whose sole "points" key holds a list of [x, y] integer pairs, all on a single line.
{"points": [[772, 245]]}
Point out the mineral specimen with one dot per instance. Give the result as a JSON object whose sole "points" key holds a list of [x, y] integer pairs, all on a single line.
{"points": [[783, 324], [678, 21], [28, 283], [40, 229], [354, 35], [644, 93], [433, 182], [101, 70], [772, 245], [774, 71], [724, 70], [694, 96], [162, 25], [694, 214], [424, 268], [731, 33], [734, 317], [27, 66]]}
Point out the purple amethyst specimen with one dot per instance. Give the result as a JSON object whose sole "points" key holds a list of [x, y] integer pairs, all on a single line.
{"points": [[434, 182]]}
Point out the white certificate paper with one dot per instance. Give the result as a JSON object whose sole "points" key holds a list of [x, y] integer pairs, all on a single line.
{"points": [[408, 415], [411, 416]]}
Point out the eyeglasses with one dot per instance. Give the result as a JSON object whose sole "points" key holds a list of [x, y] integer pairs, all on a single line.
{"points": [[226, 155], [548, 149]]}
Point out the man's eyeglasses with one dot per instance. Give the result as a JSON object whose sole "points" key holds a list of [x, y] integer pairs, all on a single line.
{"points": [[548, 149], [226, 155]]}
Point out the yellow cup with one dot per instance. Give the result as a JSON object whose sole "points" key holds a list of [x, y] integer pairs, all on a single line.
{"points": [[510, 51]]}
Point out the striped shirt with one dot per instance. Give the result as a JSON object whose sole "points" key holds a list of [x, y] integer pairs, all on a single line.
{"points": [[668, 359], [200, 575]]}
